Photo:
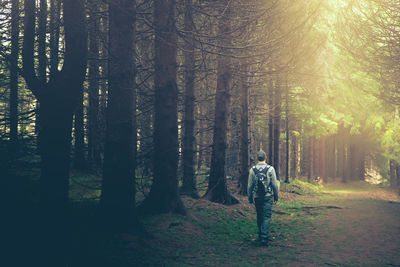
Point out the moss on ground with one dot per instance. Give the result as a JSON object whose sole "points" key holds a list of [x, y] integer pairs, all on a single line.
{"points": [[218, 235]]}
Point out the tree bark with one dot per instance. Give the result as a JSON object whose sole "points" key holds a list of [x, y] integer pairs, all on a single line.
{"points": [[117, 202], [271, 123], [277, 127], [354, 159], [392, 173], [304, 153], [217, 190], [323, 164], [287, 179], [200, 143], [362, 165], [398, 177], [330, 157], [55, 8], [58, 98], [311, 158], [14, 76], [164, 196], [295, 154], [42, 27], [189, 186], [94, 128], [244, 138], [340, 153], [79, 134], [346, 155]]}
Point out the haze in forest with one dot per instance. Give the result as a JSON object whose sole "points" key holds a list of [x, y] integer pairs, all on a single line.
{"points": [[125, 123]]}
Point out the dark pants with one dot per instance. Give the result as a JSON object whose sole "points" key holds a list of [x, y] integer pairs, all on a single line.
{"points": [[264, 212]]}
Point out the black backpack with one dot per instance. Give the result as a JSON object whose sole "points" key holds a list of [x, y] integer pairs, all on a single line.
{"points": [[262, 181]]}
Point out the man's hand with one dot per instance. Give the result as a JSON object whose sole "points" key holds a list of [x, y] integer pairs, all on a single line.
{"points": [[275, 201]]}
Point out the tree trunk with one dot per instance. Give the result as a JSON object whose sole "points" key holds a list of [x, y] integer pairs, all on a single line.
{"points": [[94, 128], [362, 165], [311, 158], [42, 26], [295, 153], [304, 153], [164, 196], [340, 153], [217, 190], [392, 173], [398, 177], [277, 127], [316, 158], [271, 123], [55, 8], [287, 180], [55, 140], [189, 186], [57, 99], [117, 202], [145, 124], [79, 134], [354, 158], [323, 157], [244, 138], [200, 143], [330, 157], [14, 75], [346, 155]]}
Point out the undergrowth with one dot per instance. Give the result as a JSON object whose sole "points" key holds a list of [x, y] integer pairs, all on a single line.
{"points": [[217, 235]]}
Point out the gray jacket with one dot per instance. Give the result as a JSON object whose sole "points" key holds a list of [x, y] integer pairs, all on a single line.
{"points": [[252, 181]]}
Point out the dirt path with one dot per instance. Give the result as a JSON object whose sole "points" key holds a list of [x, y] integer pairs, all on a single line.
{"points": [[346, 225], [364, 230]]}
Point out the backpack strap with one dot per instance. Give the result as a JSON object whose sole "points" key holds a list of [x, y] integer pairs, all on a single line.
{"points": [[256, 171], [268, 168]]}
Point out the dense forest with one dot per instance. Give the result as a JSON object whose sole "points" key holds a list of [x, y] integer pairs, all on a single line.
{"points": [[133, 106]]}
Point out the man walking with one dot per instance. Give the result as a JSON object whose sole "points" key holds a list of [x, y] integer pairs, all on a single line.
{"points": [[263, 189]]}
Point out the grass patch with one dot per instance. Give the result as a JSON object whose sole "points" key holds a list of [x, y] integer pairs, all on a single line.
{"points": [[216, 235], [300, 188], [84, 186]]}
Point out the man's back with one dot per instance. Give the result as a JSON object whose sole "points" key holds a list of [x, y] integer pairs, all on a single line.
{"points": [[252, 182]]}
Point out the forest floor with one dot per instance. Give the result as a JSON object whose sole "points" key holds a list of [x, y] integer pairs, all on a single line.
{"points": [[352, 224]]}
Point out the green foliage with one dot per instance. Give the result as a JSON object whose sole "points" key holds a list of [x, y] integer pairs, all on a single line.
{"points": [[391, 139], [300, 187]]}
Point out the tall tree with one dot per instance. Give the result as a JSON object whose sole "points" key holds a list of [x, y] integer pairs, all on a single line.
{"points": [[14, 74], [311, 158], [79, 134], [277, 125], [270, 122], [217, 190], [42, 30], [287, 180], [392, 173], [55, 10], [340, 151], [41, 51], [58, 98], [189, 186], [117, 203], [398, 177], [164, 196], [244, 126], [93, 84], [295, 152]]}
